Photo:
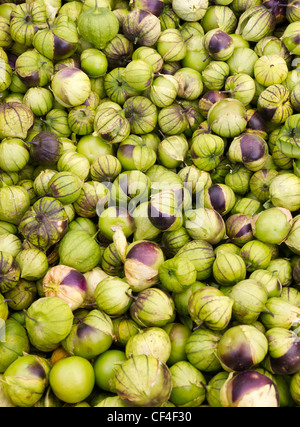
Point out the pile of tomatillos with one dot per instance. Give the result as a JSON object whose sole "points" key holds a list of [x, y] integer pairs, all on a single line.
{"points": [[150, 203]]}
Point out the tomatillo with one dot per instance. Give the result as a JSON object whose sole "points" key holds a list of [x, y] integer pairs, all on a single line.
{"points": [[72, 379]]}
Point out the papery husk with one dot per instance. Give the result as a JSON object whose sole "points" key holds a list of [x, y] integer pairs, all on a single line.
{"points": [[139, 275], [16, 119], [120, 241]]}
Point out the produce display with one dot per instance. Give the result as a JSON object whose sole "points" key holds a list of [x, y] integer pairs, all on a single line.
{"points": [[150, 203]]}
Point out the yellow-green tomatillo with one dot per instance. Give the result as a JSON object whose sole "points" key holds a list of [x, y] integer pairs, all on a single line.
{"points": [[260, 183], [33, 264], [133, 153], [24, 21], [238, 179], [10, 272], [22, 295], [207, 150], [150, 374], [105, 168], [70, 86], [115, 216], [214, 387], [116, 87], [211, 306], [241, 86], [111, 261], [124, 328], [91, 337], [58, 40], [295, 98], [81, 119], [174, 240], [138, 74], [282, 269], [39, 100], [290, 37], [27, 369], [48, 321], [44, 223], [201, 349], [215, 74], [250, 298], [272, 225], [269, 281], [152, 341], [144, 229], [190, 85], [242, 60], [255, 23], [188, 385], [292, 11], [56, 121], [15, 120], [5, 74], [113, 296], [93, 62], [141, 114], [288, 137], [4, 311], [83, 256], [14, 203], [178, 335], [229, 268], [93, 146], [15, 344], [74, 162], [110, 123], [280, 314], [98, 25], [150, 55], [283, 191], [153, 307], [256, 254], [172, 151], [219, 16], [171, 45], [177, 274], [201, 253], [227, 118], [93, 197], [33, 68], [205, 224], [247, 206], [172, 120], [190, 11], [65, 187], [14, 154], [270, 70], [164, 90]]}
